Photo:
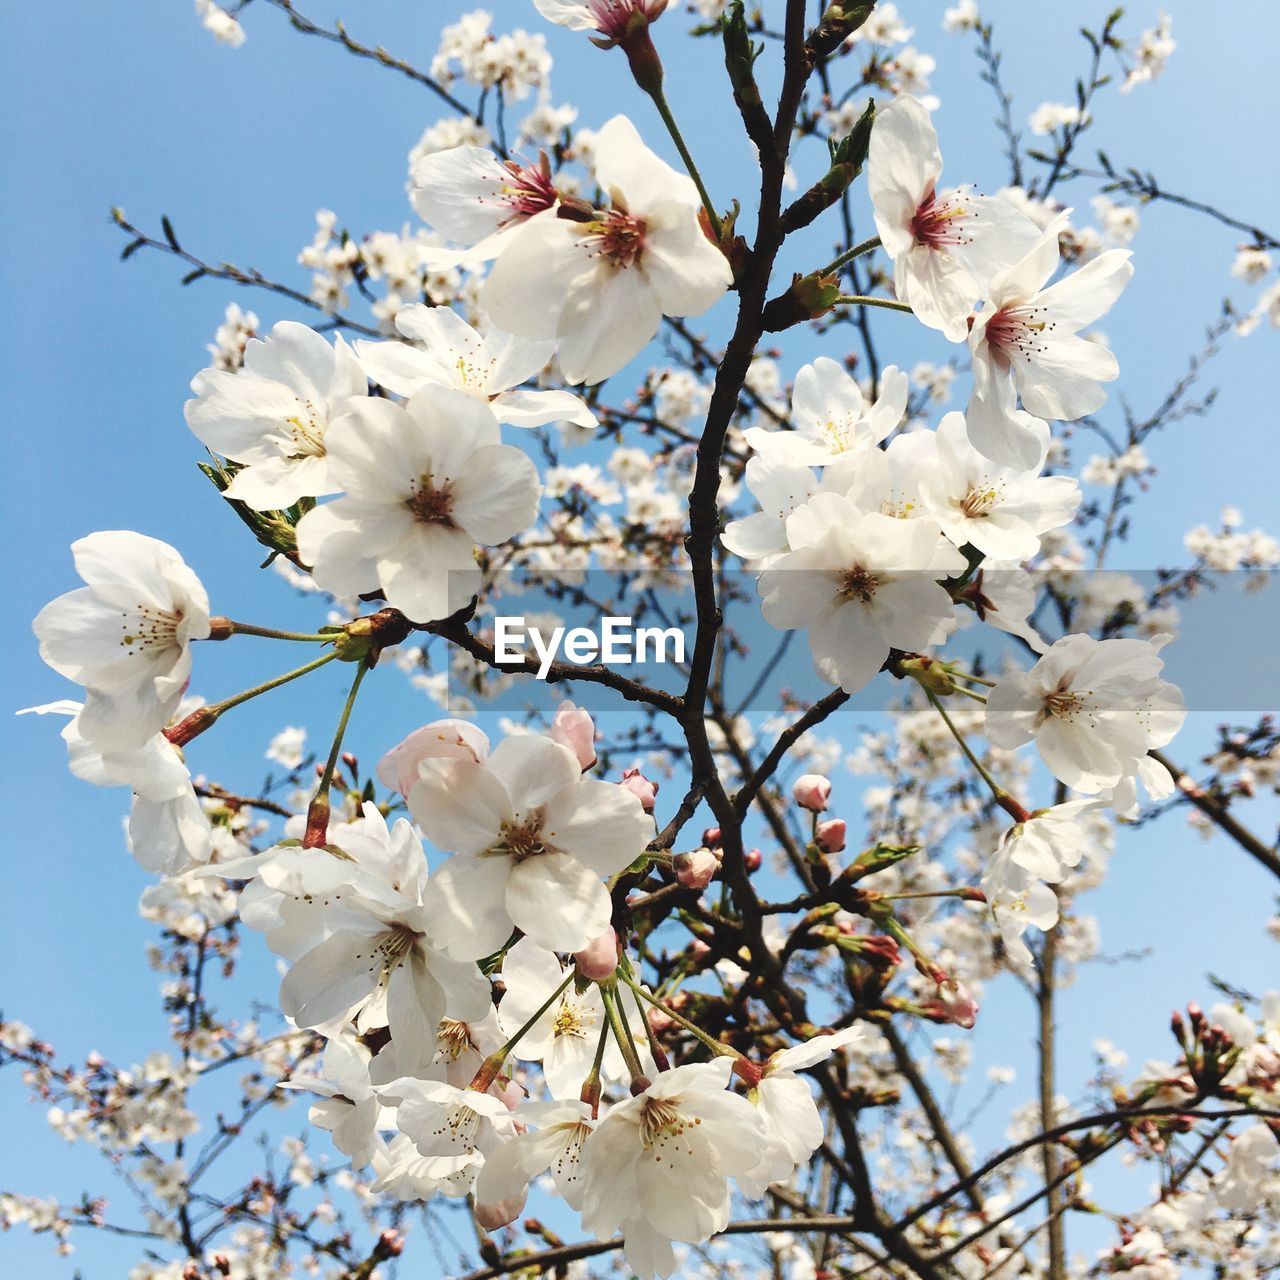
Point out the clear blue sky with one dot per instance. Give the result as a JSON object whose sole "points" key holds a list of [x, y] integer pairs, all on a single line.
{"points": [[136, 105]]}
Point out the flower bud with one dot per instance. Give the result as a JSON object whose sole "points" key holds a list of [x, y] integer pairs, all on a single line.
{"points": [[753, 860], [640, 787], [953, 1004], [811, 791], [711, 837], [575, 729], [598, 960], [829, 836], [696, 870]]}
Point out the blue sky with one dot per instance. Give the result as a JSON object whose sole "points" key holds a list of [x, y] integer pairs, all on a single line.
{"points": [[135, 105]]}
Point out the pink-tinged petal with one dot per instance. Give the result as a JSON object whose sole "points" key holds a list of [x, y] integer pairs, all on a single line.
{"points": [[470, 918]]}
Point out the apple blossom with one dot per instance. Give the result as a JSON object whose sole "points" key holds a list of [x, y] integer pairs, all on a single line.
{"points": [[945, 245], [125, 636], [531, 838], [1026, 341], [422, 483], [272, 416], [600, 287], [490, 367]]}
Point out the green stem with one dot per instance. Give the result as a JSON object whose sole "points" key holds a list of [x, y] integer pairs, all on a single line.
{"points": [[270, 633], [664, 110], [862, 300], [321, 798], [622, 1034], [227, 703], [502, 1054], [1003, 798], [720, 1050], [848, 256]]}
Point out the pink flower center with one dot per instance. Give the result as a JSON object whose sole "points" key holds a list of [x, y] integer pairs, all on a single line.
{"points": [[431, 505], [1018, 331], [619, 238], [527, 190], [617, 19], [938, 224]]}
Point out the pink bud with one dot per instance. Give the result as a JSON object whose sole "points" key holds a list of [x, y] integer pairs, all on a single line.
{"points": [[753, 859], [575, 729], [811, 791], [829, 837], [953, 1004], [711, 837], [696, 870], [640, 787], [598, 960], [439, 740]]}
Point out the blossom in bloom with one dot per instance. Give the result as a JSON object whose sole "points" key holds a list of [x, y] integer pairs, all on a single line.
{"points": [[490, 367], [442, 1120], [947, 245], [447, 739], [346, 1105], [1094, 708], [1050, 842], [125, 636], [355, 929], [273, 415], [1000, 510], [614, 20], [554, 1137], [1243, 1184], [792, 1122], [565, 1037], [861, 583], [168, 831], [476, 200], [779, 487], [422, 483], [1017, 900], [600, 287], [1026, 341], [532, 839], [658, 1165], [832, 417]]}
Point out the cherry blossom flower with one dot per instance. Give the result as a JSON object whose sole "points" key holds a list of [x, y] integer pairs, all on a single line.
{"points": [[832, 417], [273, 415], [168, 831], [1051, 841], [565, 1037], [440, 740], [779, 487], [458, 1125], [531, 839], [574, 728], [1025, 341], [614, 20], [1094, 708], [347, 1105], [1017, 901], [490, 367], [658, 1165], [126, 636], [600, 287], [555, 1137], [476, 200], [1002, 511], [861, 584], [945, 246], [423, 483], [793, 1125], [355, 928]]}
